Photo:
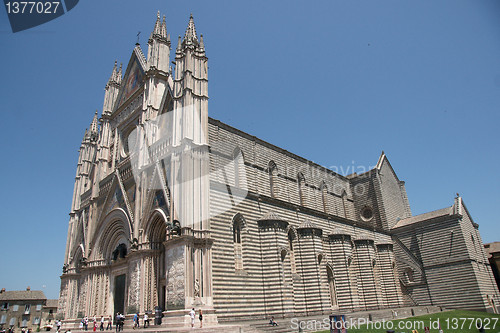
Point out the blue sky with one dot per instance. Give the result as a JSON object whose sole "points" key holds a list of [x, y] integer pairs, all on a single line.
{"points": [[336, 82]]}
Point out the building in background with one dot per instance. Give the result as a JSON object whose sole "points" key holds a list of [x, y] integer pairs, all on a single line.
{"points": [[28, 309], [175, 210], [493, 254]]}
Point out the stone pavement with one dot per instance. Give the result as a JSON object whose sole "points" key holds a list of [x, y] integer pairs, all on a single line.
{"points": [[285, 325]]}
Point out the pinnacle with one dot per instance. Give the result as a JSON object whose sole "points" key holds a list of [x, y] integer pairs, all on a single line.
{"points": [[85, 135], [113, 76], [190, 35], [94, 124], [202, 45], [157, 28], [179, 45], [94, 128], [164, 28], [160, 28]]}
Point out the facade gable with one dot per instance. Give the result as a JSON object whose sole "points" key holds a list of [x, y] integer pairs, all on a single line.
{"points": [[133, 78]]}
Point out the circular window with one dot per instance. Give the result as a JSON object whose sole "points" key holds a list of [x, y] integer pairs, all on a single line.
{"points": [[366, 214]]}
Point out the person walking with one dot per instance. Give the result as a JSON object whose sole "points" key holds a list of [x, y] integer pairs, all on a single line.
{"points": [[200, 316], [146, 320], [117, 322], [192, 314], [136, 321], [109, 323], [101, 328]]}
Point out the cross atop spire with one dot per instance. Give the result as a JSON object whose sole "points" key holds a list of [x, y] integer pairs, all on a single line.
{"points": [[190, 35]]}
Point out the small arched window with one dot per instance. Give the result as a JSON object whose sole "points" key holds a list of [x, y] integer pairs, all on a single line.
{"points": [[291, 238], [237, 232], [409, 275], [283, 255], [238, 167], [301, 181], [273, 173], [331, 285], [324, 192], [238, 224]]}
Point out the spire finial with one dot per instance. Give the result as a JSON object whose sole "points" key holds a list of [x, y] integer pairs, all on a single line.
{"points": [[164, 28], [94, 128], [202, 45], [157, 28], [179, 43], [85, 135], [119, 74], [112, 78], [190, 35]]}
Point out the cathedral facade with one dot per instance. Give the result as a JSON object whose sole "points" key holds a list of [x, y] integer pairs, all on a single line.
{"points": [[173, 210]]}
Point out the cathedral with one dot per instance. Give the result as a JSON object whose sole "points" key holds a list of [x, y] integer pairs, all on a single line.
{"points": [[174, 210]]}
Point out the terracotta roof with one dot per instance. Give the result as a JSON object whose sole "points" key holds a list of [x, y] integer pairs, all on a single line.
{"points": [[424, 217], [492, 248], [52, 303], [12, 295]]}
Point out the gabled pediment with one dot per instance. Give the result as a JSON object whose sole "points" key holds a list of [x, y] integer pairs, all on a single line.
{"points": [[383, 161], [134, 75], [114, 199]]}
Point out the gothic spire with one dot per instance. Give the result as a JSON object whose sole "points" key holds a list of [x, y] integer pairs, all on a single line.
{"points": [[179, 45], [164, 29], [157, 28], [119, 75], [113, 76], [85, 136], [201, 47], [94, 128], [190, 35]]}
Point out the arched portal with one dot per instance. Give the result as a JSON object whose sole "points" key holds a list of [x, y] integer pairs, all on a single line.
{"points": [[155, 234], [110, 247]]}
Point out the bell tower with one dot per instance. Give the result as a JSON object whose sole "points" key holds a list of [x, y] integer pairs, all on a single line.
{"points": [[189, 178]]}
